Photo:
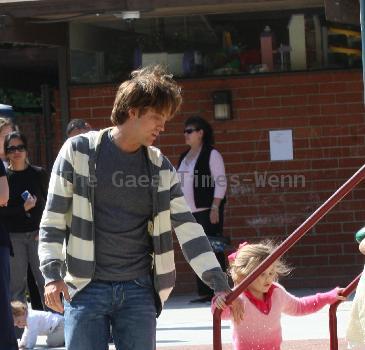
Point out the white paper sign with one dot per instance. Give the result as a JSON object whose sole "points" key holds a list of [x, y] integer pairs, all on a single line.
{"points": [[281, 145]]}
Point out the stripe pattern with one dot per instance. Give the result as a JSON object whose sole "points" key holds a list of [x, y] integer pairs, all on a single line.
{"points": [[66, 240]]}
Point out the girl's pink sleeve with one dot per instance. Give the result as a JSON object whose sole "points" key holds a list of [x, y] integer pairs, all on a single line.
{"points": [[303, 306], [226, 313]]}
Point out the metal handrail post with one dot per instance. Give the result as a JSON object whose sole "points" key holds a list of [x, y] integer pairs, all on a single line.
{"points": [[332, 313]]}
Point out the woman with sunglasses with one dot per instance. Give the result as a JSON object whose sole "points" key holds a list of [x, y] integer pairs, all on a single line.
{"points": [[27, 195], [204, 184]]}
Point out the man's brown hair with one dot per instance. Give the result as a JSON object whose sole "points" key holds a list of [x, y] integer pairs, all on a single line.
{"points": [[148, 87], [18, 308]]}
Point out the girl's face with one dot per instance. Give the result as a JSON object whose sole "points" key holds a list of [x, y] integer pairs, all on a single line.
{"points": [[262, 284], [16, 151], [20, 321]]}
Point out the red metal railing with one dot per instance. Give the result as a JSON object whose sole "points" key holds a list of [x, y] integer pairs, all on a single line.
{"points": [[332, 313], [284, 247]]}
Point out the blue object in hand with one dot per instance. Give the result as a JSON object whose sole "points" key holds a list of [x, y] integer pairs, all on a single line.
{"points": [[360, 235], [25, 195]]}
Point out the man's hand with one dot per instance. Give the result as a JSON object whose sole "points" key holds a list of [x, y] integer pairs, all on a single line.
{"points": [[52, 295]]}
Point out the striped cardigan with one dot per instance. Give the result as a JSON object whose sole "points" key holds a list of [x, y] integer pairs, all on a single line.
{"points": [[66, 240]]}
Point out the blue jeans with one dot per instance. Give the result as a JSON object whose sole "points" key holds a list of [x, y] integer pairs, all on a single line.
{"points": [[128, 306]]}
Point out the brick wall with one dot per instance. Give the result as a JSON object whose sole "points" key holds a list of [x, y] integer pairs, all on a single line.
{"points": [[325, 112]]}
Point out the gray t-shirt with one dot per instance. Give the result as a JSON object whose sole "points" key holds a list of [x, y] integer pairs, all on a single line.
{"points": [[123, 206]]}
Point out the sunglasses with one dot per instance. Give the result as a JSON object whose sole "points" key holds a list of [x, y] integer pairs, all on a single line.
{"points": [[13, 149], [190, 131]]}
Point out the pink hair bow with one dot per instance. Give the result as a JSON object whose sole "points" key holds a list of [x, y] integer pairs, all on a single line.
{"points": [[232, 256]]}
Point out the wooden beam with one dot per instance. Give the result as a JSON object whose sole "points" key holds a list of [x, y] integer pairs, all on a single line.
{"points": [[26, 79], [49, 9], [19, 31], [243, 6], [20, 9]]}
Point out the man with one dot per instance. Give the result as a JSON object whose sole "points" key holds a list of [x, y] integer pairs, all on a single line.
{"points": [[77, 127], [115, 199]]}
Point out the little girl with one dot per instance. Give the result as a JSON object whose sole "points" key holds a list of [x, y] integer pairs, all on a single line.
{"points": [[38, 323], [265, 300]]}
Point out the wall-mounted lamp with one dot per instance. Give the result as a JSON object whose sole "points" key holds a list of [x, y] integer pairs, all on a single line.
{"points": [[222, 101]]}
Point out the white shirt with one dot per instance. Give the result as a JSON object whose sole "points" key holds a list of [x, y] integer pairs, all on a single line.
{"points": [[39, 323], [186, 174]]}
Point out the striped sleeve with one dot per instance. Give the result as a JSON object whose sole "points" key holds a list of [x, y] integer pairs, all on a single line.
{"points": [[53, 226], [192, 239]]}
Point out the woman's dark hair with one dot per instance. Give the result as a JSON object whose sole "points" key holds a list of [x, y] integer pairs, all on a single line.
{"points": [[201, 124], [15, 135]]}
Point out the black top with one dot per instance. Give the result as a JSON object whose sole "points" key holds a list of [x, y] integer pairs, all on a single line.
{"points": [[35, 180], [4, 235]]}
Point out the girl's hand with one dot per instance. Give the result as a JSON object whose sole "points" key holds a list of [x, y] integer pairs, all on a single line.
{"points": [[238, 310], [339, 296], [214, 216]]}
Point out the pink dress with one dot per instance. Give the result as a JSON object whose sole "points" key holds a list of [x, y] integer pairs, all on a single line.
{"points": [[261, 326]]}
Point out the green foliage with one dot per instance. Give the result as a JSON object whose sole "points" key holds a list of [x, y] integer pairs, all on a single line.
{"points": [[20, 99]]}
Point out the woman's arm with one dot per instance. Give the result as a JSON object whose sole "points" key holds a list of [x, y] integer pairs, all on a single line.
{"points": [[4, 191], [218, 172], [4, 187]]}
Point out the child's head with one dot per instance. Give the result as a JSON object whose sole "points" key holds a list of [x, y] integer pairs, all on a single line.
{"points": [[249, 256], [20, 313]]}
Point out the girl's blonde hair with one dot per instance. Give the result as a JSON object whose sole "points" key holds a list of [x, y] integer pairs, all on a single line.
{"points": [[18, 308], [249, 256]]}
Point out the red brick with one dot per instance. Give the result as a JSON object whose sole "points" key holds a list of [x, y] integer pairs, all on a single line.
{"points": [[278, 90], [266, 102], [243, 103], [321, 99], [325, 88], [101, 112], [355, 108], [350, 119], [79, 92], [349, 97], [89, 102], [334, 109], [250, 92], [294, 100], [305, 89], [84, 113]]}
